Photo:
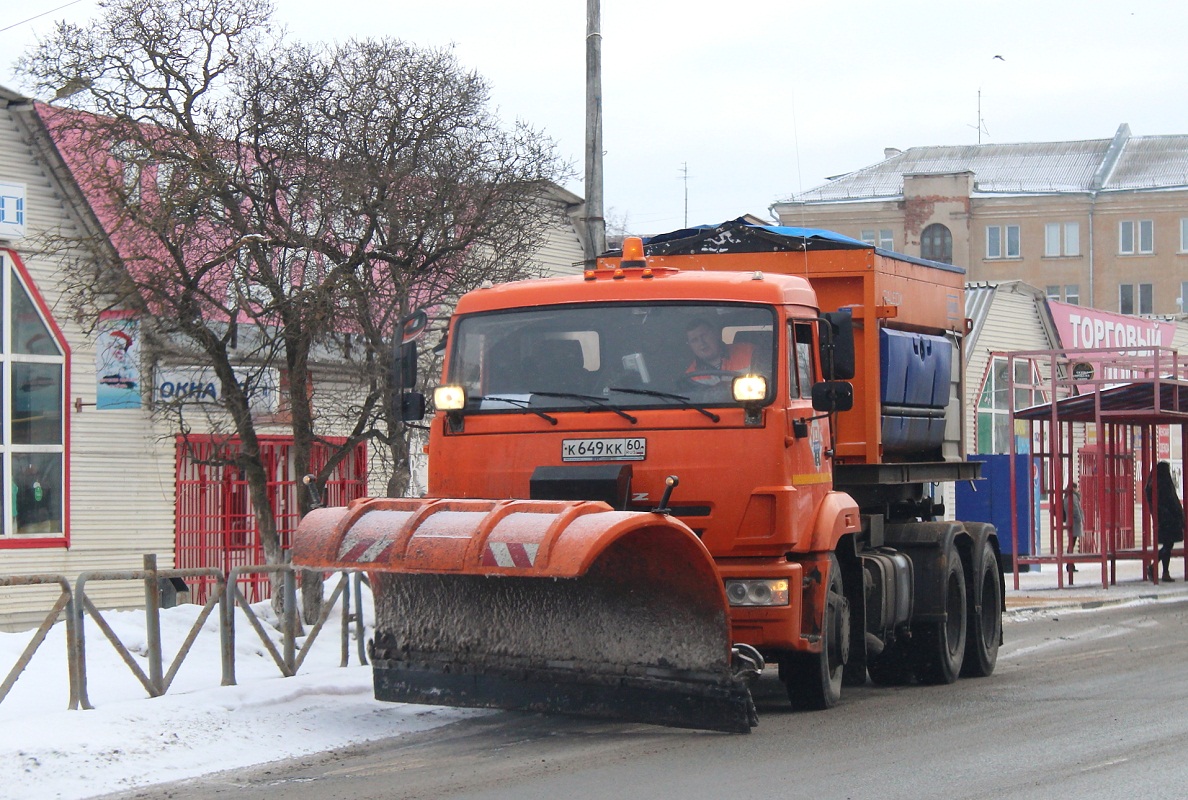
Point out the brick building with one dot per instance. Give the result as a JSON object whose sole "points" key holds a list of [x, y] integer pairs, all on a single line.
{"points": [[1100, 223]]}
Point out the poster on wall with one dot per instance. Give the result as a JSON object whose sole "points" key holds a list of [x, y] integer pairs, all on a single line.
{"points": [[117, 361]]}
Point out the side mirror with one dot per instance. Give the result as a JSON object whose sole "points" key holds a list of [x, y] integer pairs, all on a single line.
{"points": [[407, 405], [830, 396], [413, 326], [412, 407], [837, 344]]}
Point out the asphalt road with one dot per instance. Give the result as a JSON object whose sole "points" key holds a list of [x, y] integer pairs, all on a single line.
{"points": [[1083, 704]]}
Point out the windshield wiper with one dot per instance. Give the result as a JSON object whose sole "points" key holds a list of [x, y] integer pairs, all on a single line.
{"points": [[518, 403], [595, 402], [680, 398]]}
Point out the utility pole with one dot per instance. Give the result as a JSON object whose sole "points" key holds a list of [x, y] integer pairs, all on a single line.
{"points": [[595, 222]]}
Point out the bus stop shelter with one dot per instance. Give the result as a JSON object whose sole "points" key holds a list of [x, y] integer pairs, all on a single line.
{"points": [[1109, 416]]}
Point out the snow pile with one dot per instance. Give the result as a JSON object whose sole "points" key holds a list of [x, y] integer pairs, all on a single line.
{"points": [[130, 740]]}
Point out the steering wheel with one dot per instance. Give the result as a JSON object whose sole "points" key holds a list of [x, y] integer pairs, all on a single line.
{"points": [[697, 378]]}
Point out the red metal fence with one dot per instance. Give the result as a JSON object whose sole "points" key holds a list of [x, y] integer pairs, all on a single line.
{"points": [[215, 524], [1117, 487]]}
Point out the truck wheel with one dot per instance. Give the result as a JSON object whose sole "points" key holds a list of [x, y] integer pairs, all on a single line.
{"points": [[985, 624], [940, 646], [814, 680]]}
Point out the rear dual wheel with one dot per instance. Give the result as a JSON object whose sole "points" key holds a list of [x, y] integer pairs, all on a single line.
{"points": [[814, 680], [940, 646], [985, 617]]}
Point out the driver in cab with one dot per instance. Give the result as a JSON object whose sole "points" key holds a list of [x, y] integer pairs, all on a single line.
{"points": [[711, 355]]}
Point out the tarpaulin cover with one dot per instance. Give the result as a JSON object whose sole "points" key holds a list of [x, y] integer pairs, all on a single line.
{"points": [[740, 236]]}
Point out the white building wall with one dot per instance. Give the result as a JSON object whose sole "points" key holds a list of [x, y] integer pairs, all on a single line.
{"points": [[120, 464], [1012, 322]]}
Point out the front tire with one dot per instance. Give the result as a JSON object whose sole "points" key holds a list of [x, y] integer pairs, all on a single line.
{"points": [[814, 680], [940, 646]]}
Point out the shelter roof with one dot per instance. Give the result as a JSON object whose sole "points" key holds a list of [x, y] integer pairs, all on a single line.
{"points": [[1129, 403]]}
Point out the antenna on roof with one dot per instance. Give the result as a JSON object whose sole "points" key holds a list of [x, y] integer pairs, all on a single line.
{"points": [[981, 122], [685, 176]]}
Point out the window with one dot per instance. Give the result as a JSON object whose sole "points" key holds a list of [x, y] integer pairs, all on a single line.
{"points": [[12, 210], [800, 351], [1062, 239], [1127, 229], [881, 238], [131, 159], [645, 355], [936, 243], [1184, 235], [33, 383], [1002, 241], [1182, 300], [1136, 298], [994, 417], [1070, 293]]}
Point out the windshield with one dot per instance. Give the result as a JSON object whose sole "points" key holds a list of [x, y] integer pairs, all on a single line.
{"points": [[621, 355]]}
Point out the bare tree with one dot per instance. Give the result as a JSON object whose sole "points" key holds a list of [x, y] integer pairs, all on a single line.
{"points": [[277, 208]]}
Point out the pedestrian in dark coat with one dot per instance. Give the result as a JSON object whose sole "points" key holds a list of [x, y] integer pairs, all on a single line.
{"points": [[1169, 514], [1074, 517]]}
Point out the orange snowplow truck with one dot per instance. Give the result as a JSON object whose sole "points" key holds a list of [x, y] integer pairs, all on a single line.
{"points": [[700, 457]]}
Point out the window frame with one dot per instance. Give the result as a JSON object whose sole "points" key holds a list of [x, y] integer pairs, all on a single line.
{"points": [[801, 359], [883, 238], [929, 241], [1146, 298], [1142, 295], [1137, 237], [11, 264], [992, 412], [1007, 241], [1072, 239]]}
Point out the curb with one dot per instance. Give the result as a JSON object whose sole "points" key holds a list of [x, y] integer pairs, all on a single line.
{"points": [[1031, 603]]}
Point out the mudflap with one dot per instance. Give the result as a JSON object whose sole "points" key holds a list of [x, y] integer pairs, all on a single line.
{"points": [[615, 615]]}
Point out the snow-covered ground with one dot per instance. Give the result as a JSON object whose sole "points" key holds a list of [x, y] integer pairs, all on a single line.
{"points": [[130, 740]]}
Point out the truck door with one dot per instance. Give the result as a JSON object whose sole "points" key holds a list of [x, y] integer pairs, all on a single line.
{"points": [[807, 439]]}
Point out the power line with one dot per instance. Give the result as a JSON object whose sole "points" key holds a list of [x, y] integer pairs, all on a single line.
{"points": [[38, 16]]}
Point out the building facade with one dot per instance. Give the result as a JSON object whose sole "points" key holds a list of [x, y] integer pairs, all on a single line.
{"points": [[89, 489], [1101, 223], [95, 479]]}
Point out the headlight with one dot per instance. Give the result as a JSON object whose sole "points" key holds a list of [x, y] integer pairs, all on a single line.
{"points": [[757, 592], [749, 388], [449, 398]]}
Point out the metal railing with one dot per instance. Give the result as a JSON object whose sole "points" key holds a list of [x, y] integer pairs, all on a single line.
{"points": [[74, 605], [65, 603]]}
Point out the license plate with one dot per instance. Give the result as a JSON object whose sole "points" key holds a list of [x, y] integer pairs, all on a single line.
{"points": [[631, 449]]}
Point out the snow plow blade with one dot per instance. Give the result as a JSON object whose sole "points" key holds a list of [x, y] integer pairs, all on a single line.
{"points": [[535, 605]]}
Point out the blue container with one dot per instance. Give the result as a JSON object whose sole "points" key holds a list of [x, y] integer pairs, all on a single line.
{"points": [[895, 352], [916, 372], [989, 500]]}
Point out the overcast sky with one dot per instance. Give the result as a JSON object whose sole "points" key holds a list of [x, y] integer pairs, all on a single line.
{"points": [[761, 101]]}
